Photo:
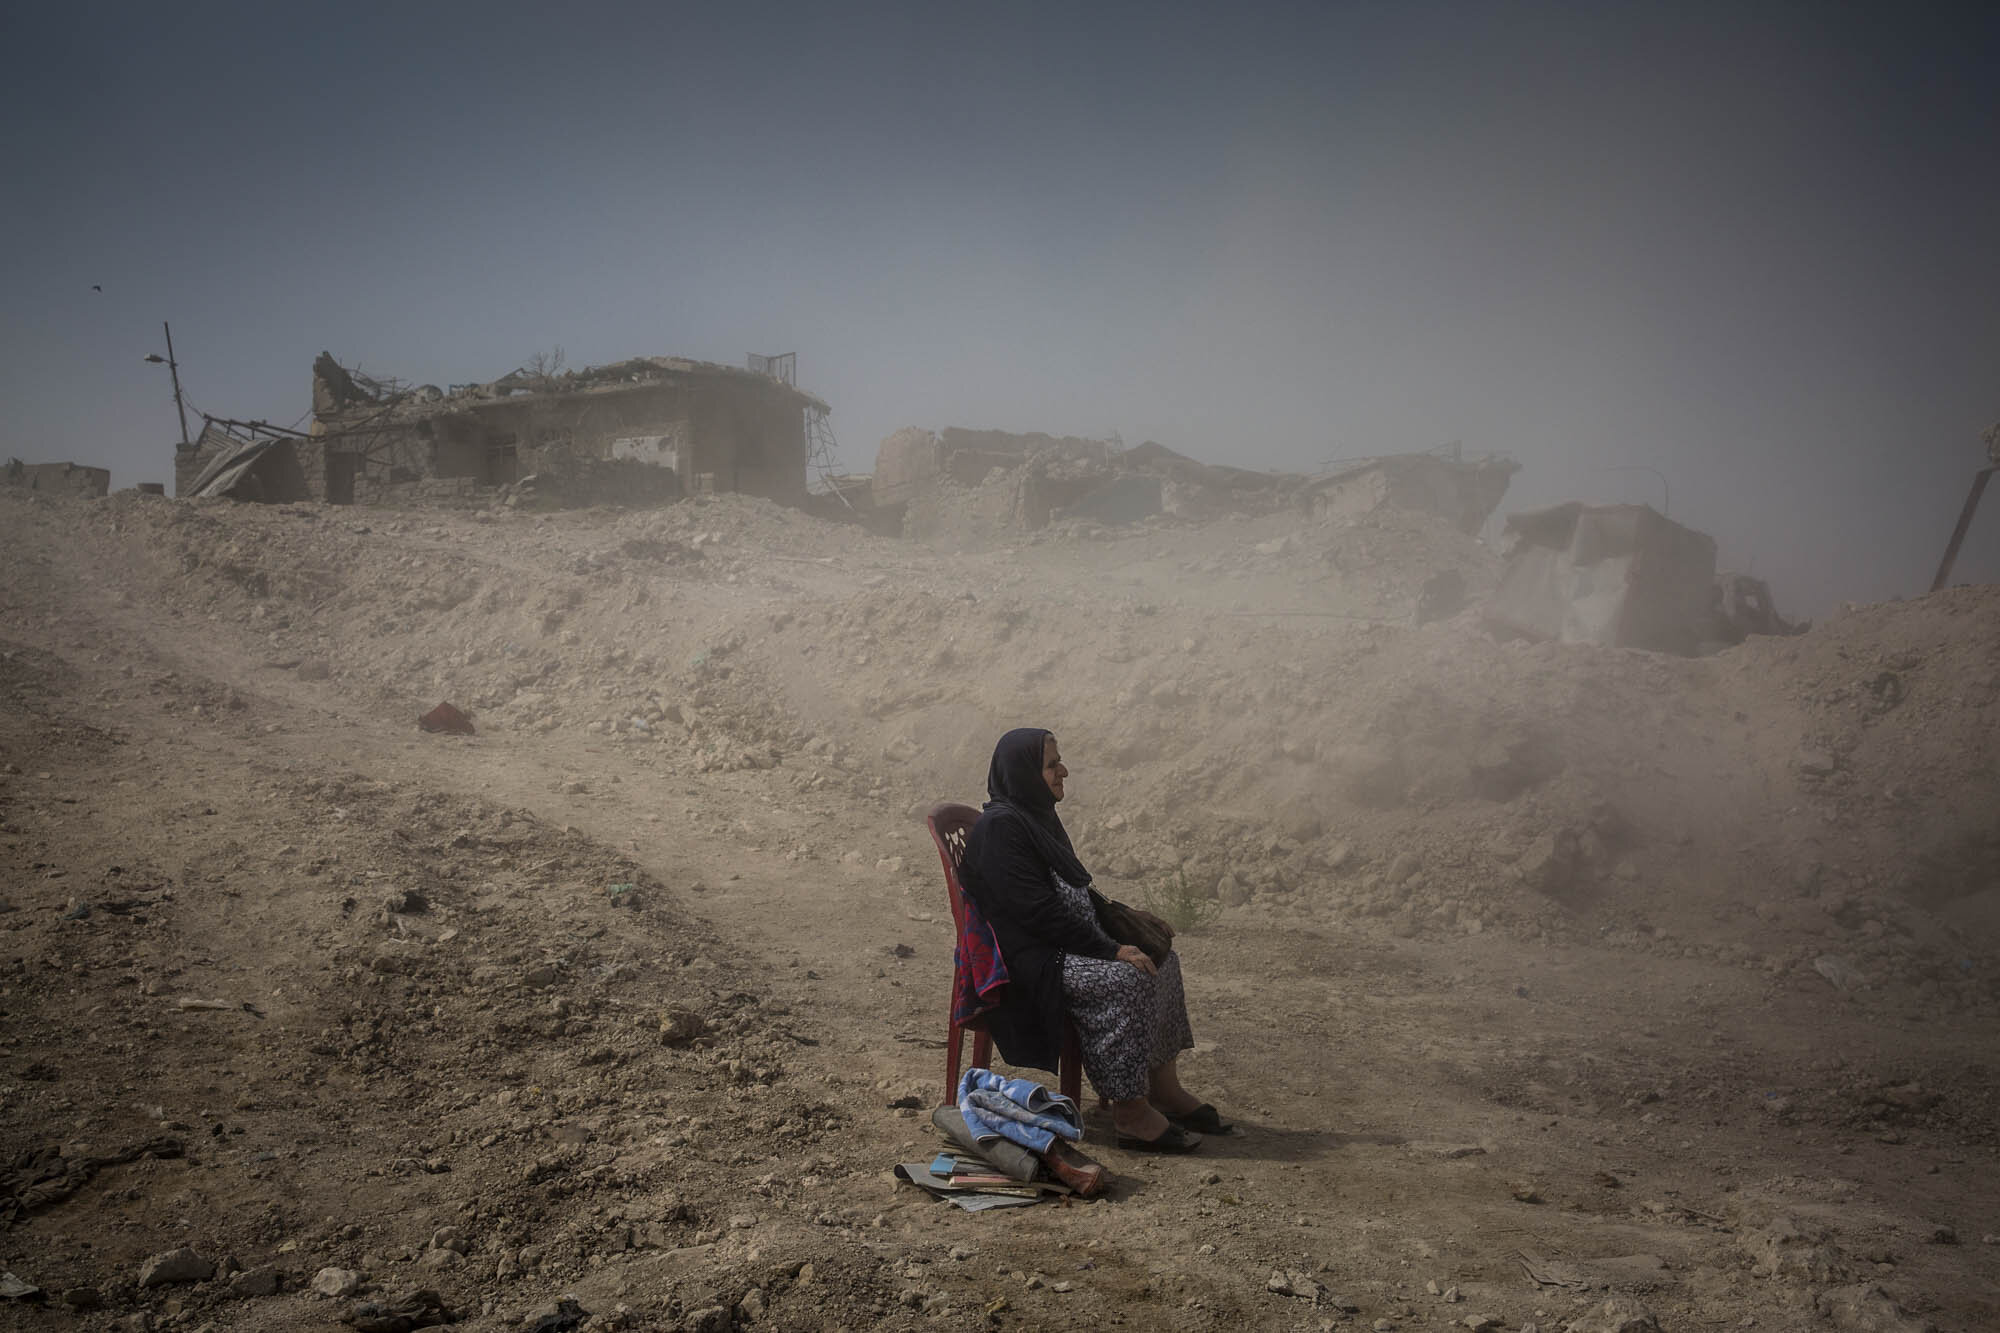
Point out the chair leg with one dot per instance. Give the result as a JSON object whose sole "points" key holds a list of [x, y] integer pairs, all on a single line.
{"points": [[1069, 1070], [954, 1043], [982, 1051]]}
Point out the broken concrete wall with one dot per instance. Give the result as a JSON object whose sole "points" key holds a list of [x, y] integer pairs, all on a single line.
{"points": [[1462, 491], [58, 478], [1618, 575]]}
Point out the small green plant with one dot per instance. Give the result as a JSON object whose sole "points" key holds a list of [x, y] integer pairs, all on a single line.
{"points": [[1180, 904]]}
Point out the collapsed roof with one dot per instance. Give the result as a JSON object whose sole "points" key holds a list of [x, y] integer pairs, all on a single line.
{"points": [[340, 391]]}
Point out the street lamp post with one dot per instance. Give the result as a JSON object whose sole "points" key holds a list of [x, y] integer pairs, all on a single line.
{"points": [[173, 369]]}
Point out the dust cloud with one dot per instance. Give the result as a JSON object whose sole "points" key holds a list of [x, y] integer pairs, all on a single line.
{"points": [[1553, 982]]}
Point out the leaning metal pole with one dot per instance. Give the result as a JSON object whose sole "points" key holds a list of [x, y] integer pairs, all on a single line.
{"points": [[173, 369], [1964, 522]]}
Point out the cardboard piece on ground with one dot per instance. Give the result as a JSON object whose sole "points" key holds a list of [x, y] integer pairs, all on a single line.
{"points": [[972, 1201]]}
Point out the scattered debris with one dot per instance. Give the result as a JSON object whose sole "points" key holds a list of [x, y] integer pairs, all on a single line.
{"points": [[14, 1289], [446, 718], [174, 1266], [418, 1309]]}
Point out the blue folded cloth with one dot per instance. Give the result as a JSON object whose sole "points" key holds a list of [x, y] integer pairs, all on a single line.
{"points": [[1016, 1109]]}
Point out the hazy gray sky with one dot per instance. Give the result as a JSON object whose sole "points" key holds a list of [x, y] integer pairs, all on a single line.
{"points": [[1756, 248]]}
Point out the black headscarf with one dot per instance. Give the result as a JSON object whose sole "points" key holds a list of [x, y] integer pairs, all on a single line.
{"points": [[1014, 781]]}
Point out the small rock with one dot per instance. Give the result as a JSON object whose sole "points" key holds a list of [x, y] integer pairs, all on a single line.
{"points": [[1620, 1314], [1837, 970], [678, 1027], [336, 1283], [1552, 862], [264, 1281], [447, 718], [1300, 1285], [83, 1298], [1867, 1309], [182, 1265], [708, 1319], [440, 1261], [1785, 1249]]}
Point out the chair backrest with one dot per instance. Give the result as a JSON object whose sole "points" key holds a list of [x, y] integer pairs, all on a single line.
{"points": [[949, 823]]}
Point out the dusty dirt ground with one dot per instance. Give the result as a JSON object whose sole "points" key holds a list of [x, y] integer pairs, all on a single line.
{"points": [[1551, 986]]}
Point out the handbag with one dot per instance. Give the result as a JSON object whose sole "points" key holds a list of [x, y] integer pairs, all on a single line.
{"points": [[1127, 925]]}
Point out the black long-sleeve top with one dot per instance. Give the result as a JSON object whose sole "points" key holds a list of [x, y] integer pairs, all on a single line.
{"points": [[1014, 887]]}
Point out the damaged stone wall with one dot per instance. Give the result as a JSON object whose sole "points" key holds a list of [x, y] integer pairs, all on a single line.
{"points": [[57, 478]]}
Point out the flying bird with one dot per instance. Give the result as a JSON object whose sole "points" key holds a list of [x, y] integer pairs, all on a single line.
{"points": [[95, 288]]}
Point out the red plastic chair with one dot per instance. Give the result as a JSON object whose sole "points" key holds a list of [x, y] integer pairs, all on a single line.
{"points": [[949, 823]]}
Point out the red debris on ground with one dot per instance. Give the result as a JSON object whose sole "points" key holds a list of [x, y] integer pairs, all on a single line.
{"points": [[446, 718]]}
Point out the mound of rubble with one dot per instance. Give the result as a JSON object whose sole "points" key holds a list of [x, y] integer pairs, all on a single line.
{"points": [[1817, 805]]}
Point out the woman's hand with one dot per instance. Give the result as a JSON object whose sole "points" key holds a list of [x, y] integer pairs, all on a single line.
{"points": [[1133, 954]]}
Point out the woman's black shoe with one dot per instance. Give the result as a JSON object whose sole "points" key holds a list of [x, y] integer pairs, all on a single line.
{"points": [[1204, 1119], [1171, 1139]]}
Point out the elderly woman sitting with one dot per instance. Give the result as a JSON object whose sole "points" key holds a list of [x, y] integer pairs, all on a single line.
{"points": [[1131, 1016]]}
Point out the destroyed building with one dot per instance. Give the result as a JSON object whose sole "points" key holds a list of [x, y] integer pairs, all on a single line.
{"points": [[992, 482], [996, 481], [57, 478], [644, 430]]}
